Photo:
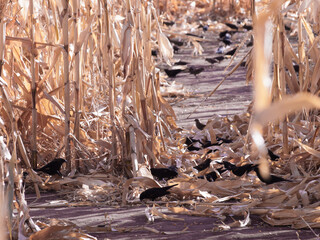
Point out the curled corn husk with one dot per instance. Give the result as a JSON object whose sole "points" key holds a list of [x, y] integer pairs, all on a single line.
{"points": [[126, 47], [166, 50]]}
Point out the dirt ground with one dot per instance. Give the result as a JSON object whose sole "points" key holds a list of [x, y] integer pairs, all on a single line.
{"points": [[130, 222], [232, 97]]}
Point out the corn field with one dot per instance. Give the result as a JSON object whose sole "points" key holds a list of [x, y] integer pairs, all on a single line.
{"points": [[78, 81]]}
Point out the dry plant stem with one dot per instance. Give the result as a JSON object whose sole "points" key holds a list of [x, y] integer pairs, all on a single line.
{"points": [[100, 42], [24, 156], [154, 85], [214, 7], [253, 9], [141, 82], [10, 187], [33, 91], [76, 80], [111, 81], [10, 159], [253, 15], [66, 82], [101, 75], [261, 87], [282, 81], [5, 205], [3, 210], [22, 151], [317, 235], [133, 151], [301, 55], [2, 43], [148, 64], [279, 79]]}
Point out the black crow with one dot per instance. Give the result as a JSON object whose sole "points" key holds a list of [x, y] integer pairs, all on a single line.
{"points": [[287, 28], [193, 148], [199, 125], [212, 60], [226, 41], [203, 165], [53, 167], [250, 44], [296, 68], [271, 179], [232, 26], [181, 63], [175, 49], [153, 193], [226, 33], [231, 52], [176, 42], [273, 157], [229, 166], [205, 28], [172, 73], [248, 27], [239, 171], [223, 140], [212, 176], [169, 23], [189, 142], [164, 173], [194, 35], [195, 71], [209, 144], [215, 59], [154, 53]]}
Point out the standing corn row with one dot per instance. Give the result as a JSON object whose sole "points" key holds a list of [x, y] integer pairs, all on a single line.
{"points": [[33, 90], [76, 78], [65, 35]]}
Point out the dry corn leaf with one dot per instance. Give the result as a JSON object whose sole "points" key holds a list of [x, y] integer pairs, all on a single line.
{"points": [[60, 232], [127, 43], [197, 48], [290, 104], [156, 212], [309, 149], [165, 48], [149, 215]]}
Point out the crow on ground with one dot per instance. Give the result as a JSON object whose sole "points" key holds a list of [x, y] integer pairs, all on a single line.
{"points": [[199, 125], [53, 167], [153, 193], [271, 179], [164, 173], [172, 73], [203, 165], [273, 157], [195, 71]]}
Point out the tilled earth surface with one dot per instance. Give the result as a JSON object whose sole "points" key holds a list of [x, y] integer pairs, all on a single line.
{"points": [[232, 97], [130, 222]]}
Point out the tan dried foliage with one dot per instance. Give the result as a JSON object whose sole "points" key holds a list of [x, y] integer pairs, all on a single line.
{"points": [[126, 125]]}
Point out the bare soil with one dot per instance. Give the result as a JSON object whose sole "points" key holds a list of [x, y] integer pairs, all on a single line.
{"points": [[232, 97], [130, 222]]}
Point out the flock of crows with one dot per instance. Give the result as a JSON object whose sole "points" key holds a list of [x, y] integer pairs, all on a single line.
{"points": [[53, 168], [172, 171], [192, 144], [225, 37]]}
